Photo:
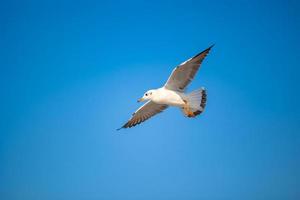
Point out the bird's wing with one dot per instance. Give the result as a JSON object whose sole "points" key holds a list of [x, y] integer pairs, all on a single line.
{"points": [[146, 111], [183, 74]]}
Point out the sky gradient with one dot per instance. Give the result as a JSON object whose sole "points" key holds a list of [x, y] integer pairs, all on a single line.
{"points": [[71, 72]]}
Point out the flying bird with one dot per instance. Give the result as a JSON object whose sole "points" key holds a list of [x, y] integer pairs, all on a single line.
{"points": [[173, 93]]}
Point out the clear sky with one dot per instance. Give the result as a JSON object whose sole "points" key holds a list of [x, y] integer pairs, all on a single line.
{"points": [[71, 73]]}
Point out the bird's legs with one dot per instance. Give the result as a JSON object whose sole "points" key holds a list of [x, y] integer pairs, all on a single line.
{"points": [[187, 110]]}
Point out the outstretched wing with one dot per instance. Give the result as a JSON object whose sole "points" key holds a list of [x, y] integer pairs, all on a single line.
{"points": [[146, 111], [183, 74]]}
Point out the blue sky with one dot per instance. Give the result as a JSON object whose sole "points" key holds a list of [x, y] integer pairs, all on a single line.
{"points": [[71, 73]]}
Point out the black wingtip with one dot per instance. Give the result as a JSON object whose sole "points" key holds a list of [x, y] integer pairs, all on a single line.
{"points": [[119, 128], [205, 51], [124, 126], [211, 47]]}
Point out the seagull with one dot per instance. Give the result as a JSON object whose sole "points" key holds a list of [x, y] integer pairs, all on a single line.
{"points": [[173, 93]]}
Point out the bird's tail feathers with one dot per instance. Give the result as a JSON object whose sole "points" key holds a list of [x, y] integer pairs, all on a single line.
{"points": [[195, 103]]}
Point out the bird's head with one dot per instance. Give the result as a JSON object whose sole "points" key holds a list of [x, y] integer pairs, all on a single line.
{"points": [[147, 96]]}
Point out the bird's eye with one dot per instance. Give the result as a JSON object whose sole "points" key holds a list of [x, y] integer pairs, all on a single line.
{"points": [[146, 94]]}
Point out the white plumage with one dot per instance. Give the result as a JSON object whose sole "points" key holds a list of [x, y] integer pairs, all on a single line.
{"points": [[172, 93]]}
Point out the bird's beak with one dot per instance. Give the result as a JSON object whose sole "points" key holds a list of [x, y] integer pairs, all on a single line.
{"points": [[140, 100]]}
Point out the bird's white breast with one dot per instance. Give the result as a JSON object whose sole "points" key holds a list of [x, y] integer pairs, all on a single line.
{"points": [[169, 97]]}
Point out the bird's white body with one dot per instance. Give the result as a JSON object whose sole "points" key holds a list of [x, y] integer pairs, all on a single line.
{"points": [[168, 97], [172, 93]]}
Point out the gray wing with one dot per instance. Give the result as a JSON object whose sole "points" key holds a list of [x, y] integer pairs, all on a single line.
{"points": [[146, 111], [183, 74]]}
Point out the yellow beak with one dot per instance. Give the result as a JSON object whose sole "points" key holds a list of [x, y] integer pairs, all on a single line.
{"points": [[140, 100]]}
